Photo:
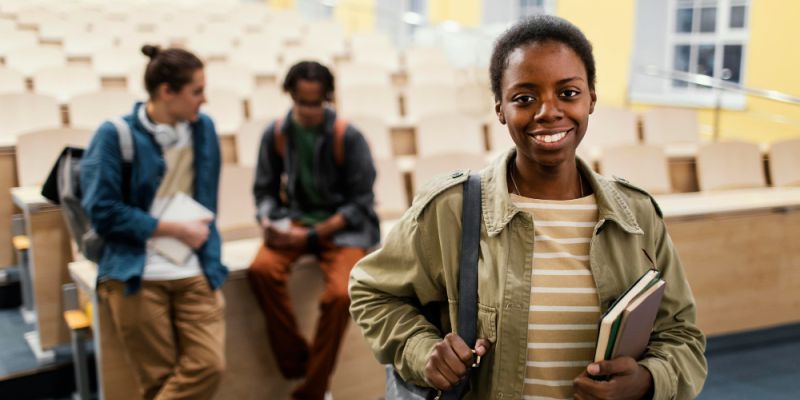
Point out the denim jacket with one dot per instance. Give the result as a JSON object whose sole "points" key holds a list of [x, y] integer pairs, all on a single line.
{"points": [[418, 264], [126, 224], [347, 188]]}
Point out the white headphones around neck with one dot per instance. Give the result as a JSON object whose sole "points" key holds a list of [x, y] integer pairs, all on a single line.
{"points": [[165, 135]]}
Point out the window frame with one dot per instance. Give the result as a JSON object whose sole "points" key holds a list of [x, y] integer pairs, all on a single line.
{"points": [[723, 35]]}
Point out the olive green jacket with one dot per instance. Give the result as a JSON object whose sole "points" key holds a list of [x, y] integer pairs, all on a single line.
{"points": [[418, 264]]}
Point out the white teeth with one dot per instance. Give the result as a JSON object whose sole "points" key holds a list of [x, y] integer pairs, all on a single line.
{"points": [[551, 138]]}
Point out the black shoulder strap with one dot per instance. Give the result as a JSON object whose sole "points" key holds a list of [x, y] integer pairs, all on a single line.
{"points": [[468, 273]]}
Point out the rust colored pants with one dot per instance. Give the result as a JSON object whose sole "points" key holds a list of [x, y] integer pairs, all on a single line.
{"points": [[269, 275]]}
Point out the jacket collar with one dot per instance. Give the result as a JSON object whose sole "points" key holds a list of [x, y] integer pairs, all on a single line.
{"points": [[498, 210]]}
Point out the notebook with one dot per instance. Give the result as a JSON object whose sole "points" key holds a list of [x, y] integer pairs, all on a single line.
{"points": [[612, 318], [180, 207], [637, 323]]}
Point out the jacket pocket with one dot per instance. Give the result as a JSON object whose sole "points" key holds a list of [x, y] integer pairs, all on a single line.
{"points": [[487, 323]]}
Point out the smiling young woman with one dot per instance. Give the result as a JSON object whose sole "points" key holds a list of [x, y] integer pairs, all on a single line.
{"points": [[558, 244]]}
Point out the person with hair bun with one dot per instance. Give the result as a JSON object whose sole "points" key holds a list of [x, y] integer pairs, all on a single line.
{"points": [[313, 192], [558, 244], [167, 311]]}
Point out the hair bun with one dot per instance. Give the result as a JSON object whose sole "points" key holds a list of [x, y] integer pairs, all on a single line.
{"points": [[150, 51]]}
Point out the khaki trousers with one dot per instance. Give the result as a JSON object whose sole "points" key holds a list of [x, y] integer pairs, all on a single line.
{"points": [[269, 275], [173, 335]]}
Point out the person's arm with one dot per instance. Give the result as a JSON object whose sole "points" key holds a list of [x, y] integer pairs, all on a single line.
{"points": [[101, 184], [385, 287], [359, 179], [673, 366], [267, 185], [675, 356]]}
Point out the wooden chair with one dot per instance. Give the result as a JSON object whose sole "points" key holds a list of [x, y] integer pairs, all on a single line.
{"points": [[643, 165], [449, 133], [236, 213], [66, 81], [431, 98], [37, 151], [226, 107], [269, 102], [429, 167], [248, 141], [28, 60], [89, 110], [378, 100], [26, 112], [730, 165], [784, 162], [670, 125], [11, 81], [377, 133], [391, 199], [609, 126]]}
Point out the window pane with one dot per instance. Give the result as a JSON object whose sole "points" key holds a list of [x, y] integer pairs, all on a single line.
{"points": [[737, 16], [732, 61], [705, 60], [681, 63], [684, 20], [708, 19]]}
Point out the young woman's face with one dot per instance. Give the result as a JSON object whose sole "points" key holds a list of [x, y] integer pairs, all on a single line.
{"points": [[546, 102], [184, 105]]}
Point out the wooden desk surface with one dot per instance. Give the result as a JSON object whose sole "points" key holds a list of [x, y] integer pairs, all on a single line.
{"points": [[30, 200], [683, 205]]}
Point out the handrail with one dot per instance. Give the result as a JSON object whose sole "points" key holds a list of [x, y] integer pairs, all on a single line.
{"points": [[716, 83]]}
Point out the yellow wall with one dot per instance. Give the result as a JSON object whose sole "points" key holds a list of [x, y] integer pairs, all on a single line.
{"points": [[356, 15], [465, 12], [772, 63], [281, 4], [609, 25]]}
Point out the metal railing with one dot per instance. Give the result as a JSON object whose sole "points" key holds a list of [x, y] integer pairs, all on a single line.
{"points": [[720, 86]]}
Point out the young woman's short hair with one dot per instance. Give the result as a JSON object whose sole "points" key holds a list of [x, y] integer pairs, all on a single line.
{"points": [[310, 71], [173, 66], [539, 28]]}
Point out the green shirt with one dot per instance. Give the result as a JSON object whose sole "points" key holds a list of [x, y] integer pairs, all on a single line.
{"points": [[313, 203]]}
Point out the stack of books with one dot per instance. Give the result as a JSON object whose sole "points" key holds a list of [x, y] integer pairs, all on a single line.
{"points": [[626, 326]]}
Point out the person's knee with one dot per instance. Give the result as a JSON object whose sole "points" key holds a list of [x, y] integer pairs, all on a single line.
{"points": [[213, 367], [337, 296]]}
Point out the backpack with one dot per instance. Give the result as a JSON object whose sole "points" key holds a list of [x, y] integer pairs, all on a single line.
{"points": [[339, 128], [63, 187]]}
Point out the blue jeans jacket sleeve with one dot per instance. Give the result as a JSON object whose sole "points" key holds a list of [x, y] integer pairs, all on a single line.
{"points": [[101, 185]]}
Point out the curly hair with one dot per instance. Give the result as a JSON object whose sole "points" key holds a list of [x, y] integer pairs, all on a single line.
{"points": [[173, 66], [310, 71], [539, 28]]}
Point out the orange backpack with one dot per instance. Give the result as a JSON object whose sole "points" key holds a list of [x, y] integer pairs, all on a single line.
{"points": [[339, 127]]}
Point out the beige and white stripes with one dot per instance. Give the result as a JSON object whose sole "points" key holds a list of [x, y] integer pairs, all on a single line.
{"points": [[564, 307]]}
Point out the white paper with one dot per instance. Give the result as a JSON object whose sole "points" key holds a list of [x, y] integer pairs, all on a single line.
{"points": [[180, 208]]}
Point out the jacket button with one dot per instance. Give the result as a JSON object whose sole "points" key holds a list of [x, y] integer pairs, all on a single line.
{"points": [[457, 174]]}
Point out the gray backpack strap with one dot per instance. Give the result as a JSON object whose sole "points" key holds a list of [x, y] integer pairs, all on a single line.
{"points": [[125, 138]]}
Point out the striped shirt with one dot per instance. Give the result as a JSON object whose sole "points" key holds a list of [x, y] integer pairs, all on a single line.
{"points": [[564, 306]]}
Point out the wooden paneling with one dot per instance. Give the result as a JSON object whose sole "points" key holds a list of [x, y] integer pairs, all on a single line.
{"points": [[8, 180], [744, 268], [50, 253], [251, 372]]}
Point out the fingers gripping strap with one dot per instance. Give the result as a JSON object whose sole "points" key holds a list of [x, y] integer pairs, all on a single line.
{"points": [[125, 138]]}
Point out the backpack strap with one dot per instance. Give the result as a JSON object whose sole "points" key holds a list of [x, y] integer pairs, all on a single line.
{"points": [[125, 138], [339, 129], [280, 140], [126, 148], [468, 273]]}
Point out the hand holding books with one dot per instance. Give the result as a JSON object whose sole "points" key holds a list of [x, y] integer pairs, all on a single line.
{"points": [[626, 380]]}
